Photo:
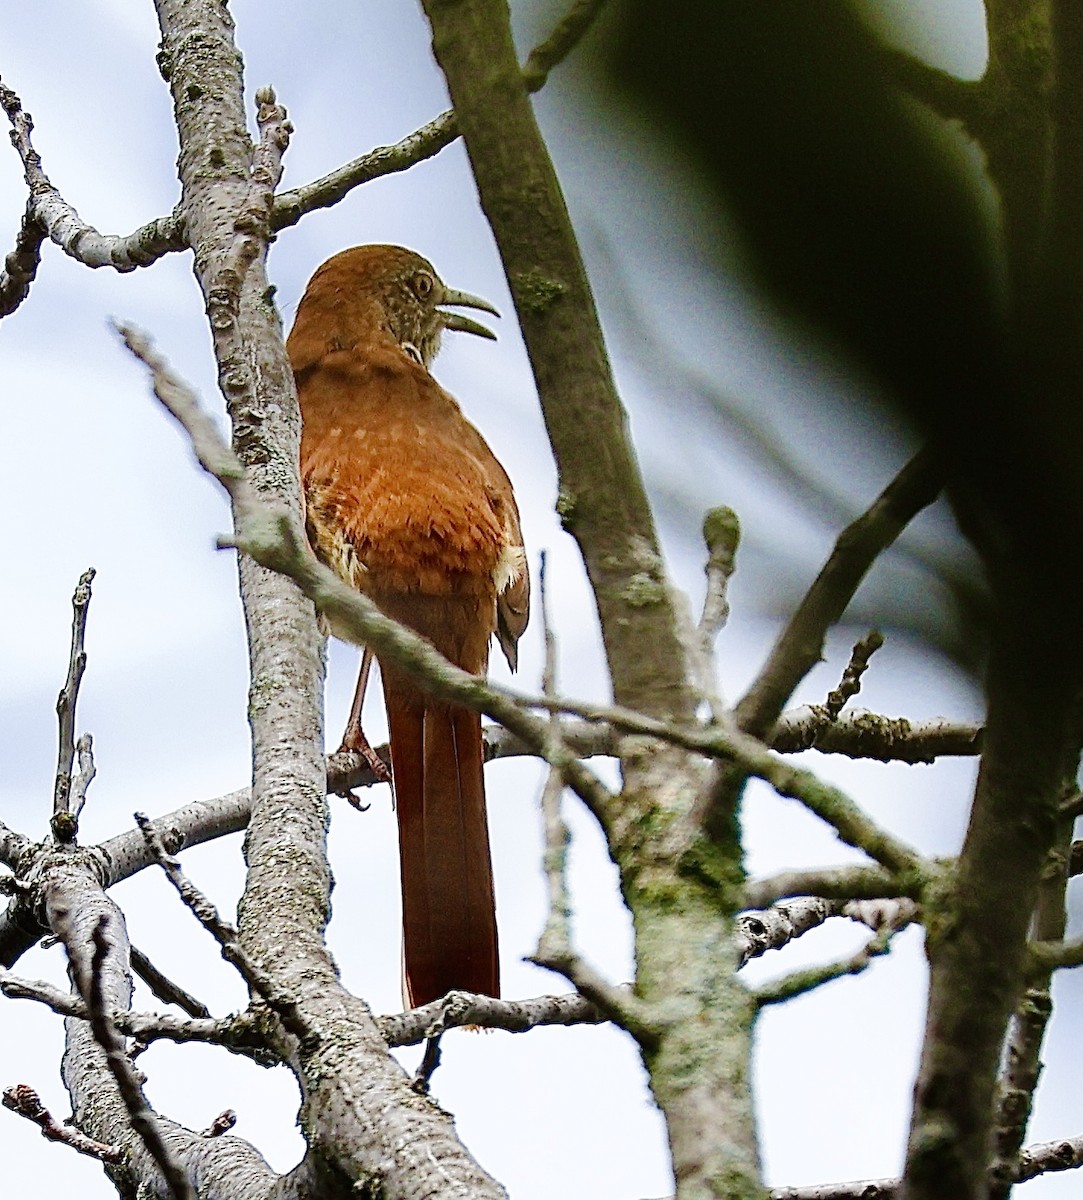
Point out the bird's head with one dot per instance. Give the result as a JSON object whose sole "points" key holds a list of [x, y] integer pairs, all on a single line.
{"points": [[401, 291]]}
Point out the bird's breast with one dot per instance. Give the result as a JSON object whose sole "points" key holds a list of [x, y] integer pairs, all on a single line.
{"points": [[395, 505]]}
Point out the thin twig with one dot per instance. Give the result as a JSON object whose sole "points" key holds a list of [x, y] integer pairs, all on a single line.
{"points": [[25, 1102], [858, 733], [430, 1060], [241, 1033], [800, 645], [829, 883], [722, 535], [799, 983], [65, 820], [275, 131], [65, 227], [855, 734], [84, 777], [457, 1009], [423, 143], [1022, 1061], [1064, 1154], [567, 34], [223, 933], [850, 683], [223, 1123], [127, 1079], [554, 943], [555, 949], [555, 939], [21, 265], [164, 988], [431, 138]]}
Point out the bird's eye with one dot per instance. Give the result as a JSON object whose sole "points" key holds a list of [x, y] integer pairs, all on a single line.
{"points": [[423, 284]]}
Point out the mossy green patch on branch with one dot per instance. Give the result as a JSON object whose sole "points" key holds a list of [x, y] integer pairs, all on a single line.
{"points": [[565, 509], [643, 590], [722, 529], [536, 292]]}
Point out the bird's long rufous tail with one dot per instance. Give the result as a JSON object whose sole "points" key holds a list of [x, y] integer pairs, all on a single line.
{"points": [[449, 916]]}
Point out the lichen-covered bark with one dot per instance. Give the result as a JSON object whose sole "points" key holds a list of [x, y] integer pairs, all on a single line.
{"points": [[680, 889], [977, 937], [1009, 115], [71, 895], [602, 499], [366, 1128], [1021, 507]]}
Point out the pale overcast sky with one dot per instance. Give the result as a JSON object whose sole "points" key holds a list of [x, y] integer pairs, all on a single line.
{"points": [[95, 474]]}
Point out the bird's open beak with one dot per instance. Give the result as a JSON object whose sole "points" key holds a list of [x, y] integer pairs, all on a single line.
{"points": [[462, 323]]}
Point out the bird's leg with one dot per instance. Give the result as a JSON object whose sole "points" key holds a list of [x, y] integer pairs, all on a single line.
{"points": [[353, 739]]}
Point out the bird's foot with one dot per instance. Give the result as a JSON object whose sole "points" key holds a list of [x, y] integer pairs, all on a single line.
{"points": [[355, 742]]}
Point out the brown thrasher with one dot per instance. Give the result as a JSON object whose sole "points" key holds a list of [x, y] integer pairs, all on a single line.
{"points": [[406, 502]]}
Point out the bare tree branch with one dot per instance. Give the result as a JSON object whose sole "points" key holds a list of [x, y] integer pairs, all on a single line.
{"points": [[865, 1189], [800, 645], [431, 138], [1065, 1154], [850, 684], [978, 950], [192, 825], [241, 1034], [566, 35], [21, 265], [798, 983], [1022, 1060], [223, 933], [862, 734], [129, 1084], [691, 896], [515, 1016], [65, 820], [776, 926], [722, 535], [84, 777], [13, 846], [1047, 956], [830, 883], [25, 1102], [274, 540], [164, 988], [63, 224], [423, 143], [379, 1137], [856, 734]]}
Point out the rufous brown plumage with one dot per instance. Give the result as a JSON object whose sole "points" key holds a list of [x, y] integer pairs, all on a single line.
{"points": [[407, 503]]}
